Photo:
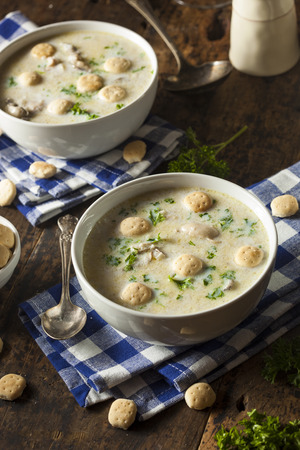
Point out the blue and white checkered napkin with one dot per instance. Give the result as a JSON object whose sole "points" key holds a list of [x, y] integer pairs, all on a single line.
{"points": [[101, 363], [76, 180]]}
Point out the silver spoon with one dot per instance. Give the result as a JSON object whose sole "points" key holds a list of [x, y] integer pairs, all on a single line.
{"points": [[66, 319], [189, 78]]}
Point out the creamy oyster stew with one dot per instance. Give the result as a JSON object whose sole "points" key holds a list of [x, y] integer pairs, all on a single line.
{"points": [[176, 251], [74, 77]]}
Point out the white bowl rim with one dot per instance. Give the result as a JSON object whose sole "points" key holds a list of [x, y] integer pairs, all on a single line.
{"points": [[17, 248], [143, 314], [81, 23]]}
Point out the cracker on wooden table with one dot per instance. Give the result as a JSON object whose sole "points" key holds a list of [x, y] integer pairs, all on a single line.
{"points": [[12, 386], [200, 396], [122, 413]]}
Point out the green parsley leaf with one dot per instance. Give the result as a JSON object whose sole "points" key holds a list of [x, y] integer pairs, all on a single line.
{"points": [[77, 110], [211, 253], [169, 200], [11, 82], [228, 275], [226, 220], [156, 216], [216, 293], [182, 284], [155, 240], [111, 260], [202, 158], [260, 431], [130, 260], [139, 69]]}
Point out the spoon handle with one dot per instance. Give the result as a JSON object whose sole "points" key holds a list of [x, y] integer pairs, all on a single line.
{"points": [[145, 9], [67, 226]]}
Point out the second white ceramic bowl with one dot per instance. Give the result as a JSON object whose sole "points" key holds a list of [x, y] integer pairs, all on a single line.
{"points": [[166, 329], [85, 139]]}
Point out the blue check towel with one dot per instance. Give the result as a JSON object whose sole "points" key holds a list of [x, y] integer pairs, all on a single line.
{"points": [[76, 180], [101, 363]]}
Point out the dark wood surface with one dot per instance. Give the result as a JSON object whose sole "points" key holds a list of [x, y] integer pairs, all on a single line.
{"points": [[47, 416]]}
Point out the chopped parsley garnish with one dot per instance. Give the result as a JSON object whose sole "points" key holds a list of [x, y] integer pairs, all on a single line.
{"points": [[216, 293], [260, 431], [11, 82], [228, 275], [111, 260], [182, 284], [156, 216], [146, 278], [139, 69], [192, 243], [205, 216], [248, 229], [211, 253], [120, 105], [71, 90], [226, 220], [130, 260], [208, 279], [169, 200], [132, 279], [93, 62], [284, 360], [77, 110], [155, 240]]}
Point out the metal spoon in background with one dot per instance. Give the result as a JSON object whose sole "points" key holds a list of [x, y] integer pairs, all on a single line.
{"points": [[189, 78], [66, 319]]}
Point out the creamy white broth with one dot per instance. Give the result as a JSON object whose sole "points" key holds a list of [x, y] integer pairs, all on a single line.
{"points": [[59, 80], [110, 267]]}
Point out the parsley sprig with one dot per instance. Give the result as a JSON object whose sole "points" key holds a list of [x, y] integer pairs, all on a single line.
{"points": [[284, 359], [202, 158], [260, 431]]}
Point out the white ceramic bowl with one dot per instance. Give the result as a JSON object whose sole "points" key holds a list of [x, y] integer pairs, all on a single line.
{"points": [[93, 137], [7, 271], [173, 330]]}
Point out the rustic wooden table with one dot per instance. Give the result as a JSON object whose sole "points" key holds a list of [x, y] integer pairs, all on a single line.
{"points": [[47, 416]]}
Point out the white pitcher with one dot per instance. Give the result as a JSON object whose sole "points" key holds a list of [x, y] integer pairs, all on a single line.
{"points": [[263, 36]]}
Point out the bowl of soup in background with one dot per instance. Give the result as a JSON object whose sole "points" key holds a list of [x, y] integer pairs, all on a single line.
{"points": [[184, 328], [86, 136], [7, 271]]}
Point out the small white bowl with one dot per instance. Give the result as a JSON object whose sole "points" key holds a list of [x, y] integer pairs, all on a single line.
{"points": [[85, 139], [7, 271], [166, 329]]}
